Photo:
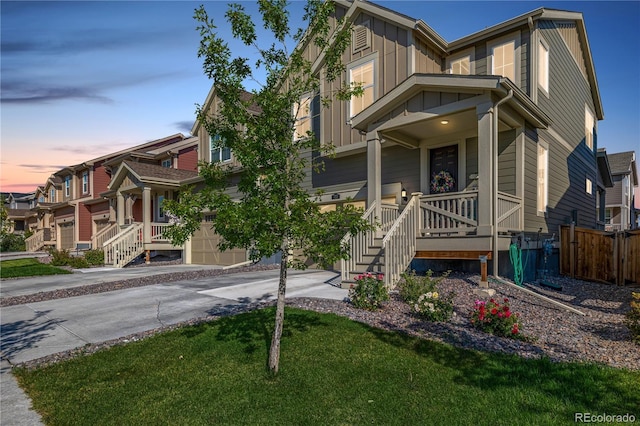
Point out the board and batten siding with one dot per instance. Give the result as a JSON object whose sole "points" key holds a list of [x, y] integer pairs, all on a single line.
{"points": [[389, 48], [428, 60], [571, 162]]}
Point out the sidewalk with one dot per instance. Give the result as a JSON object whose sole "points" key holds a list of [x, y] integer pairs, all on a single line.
{"points": [[39, 329]]}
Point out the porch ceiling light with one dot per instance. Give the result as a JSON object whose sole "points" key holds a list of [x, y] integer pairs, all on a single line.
{"points": [[444, 121]]}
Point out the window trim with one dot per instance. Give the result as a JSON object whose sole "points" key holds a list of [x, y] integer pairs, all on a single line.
{"points": [[168, 161], [589, 133], [52, 195], [67, 186], [542, 44], [542, 209], [357, 64], [515, 37], [470, 53], [85, 182], [300, 119], [219, 149], [588, 185]]}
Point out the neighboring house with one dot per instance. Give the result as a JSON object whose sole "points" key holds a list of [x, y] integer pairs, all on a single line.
{"points": [[620, 213], [18, 213], [79, 208], [494, 133]]}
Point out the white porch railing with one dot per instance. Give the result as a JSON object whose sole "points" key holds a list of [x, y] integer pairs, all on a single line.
{"points": [[359, 244], [36, 241], [399, 244], [105, 234], [509, 212], [157, 231], [124, 247], [453, 213]]}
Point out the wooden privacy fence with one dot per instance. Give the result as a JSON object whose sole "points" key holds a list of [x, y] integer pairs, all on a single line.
{"points": [[612, 257]]}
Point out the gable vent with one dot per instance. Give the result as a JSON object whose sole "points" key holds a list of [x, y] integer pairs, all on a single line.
{"points": [[361, 37]]}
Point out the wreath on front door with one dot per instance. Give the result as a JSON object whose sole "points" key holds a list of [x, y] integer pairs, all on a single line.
{"points": [[442, 182]]}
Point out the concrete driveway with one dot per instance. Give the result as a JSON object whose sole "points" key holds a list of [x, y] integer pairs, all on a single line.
{"points": [[35, 330]]}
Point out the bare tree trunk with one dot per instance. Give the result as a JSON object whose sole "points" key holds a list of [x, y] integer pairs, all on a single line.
{"points": [[274, 351]]}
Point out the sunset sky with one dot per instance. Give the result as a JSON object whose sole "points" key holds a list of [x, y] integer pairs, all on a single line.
{"points": [[82, 79]]}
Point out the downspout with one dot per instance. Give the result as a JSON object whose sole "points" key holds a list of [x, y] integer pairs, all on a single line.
{"points": [[494, 242]]}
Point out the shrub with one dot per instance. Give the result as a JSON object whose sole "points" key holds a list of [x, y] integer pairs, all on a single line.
{"points": [[433, 307], [412, 286], [496, 318], [12, 242], [94, 257], [64, 258], [632, 318], [368, 292]]}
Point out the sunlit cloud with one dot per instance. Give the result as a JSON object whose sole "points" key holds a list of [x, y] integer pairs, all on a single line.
{"points": [[184, 126], [41, 167]]}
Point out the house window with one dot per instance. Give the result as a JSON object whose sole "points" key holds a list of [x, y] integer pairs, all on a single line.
{"points": [[167, 163], [52, 195], [362, 75], [302, 112], [543, 178], [219, 152], [589, 186], [543, 66], [160, 209], [41, 199], [589, 127], [67, 186], [85, 182], [503, 60], [607, 216], [460, 66]]}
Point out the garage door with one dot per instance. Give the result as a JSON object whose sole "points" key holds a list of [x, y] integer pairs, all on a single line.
{"points": [[66, 236], [204, 249]]}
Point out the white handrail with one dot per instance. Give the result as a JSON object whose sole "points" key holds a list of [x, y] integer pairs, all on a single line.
{"points": [[104, 235], [124, 247], [399, 245], [358, 244], [449, 213], [509, 212], [36, 241]]}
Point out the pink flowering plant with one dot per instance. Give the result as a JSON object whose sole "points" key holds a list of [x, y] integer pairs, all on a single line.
{"points": [[368, 292], [496, 318]]}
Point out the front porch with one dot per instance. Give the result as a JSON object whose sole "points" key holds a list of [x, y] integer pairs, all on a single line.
{"points": [[131, 241]]}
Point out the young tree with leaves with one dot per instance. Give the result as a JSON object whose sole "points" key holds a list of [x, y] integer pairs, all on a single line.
{"points": [[274, 214]]}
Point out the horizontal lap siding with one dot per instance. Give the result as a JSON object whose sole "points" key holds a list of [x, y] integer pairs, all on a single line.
{"points": [[507, 162], [188, 159], [401, 165], [570, 161], [472, 160], [84, 222]]}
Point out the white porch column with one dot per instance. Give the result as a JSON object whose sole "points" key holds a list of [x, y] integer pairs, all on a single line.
{"points": [[485, 166], [374, 172], [147, 217], [120, 209]]}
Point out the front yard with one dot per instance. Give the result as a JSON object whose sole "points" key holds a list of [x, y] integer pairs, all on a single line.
{"points": [[29, 267], [333, 371]]}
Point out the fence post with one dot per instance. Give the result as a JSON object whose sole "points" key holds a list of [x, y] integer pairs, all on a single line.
{"points": [[572, 250]]}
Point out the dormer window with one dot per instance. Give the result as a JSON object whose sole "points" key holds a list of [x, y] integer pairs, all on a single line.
{"points": [[167, 163], [503, 59], [52, 195]]}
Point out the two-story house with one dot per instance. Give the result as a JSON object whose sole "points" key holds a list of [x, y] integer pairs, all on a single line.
{"points": [[455, 146], [82, 207], [620, 213]]}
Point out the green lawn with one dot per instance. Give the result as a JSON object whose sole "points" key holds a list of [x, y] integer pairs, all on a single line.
{"points": [[28, 268], [333, 372]]}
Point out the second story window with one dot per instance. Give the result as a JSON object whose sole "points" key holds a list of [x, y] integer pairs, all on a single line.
{"points": [[362, 74], [588, 186], [219, 152], [67, 186], [167, 163], [543, 66], [460, 66], [503, 60], [589, 125], [52, 195], [85, 182], [302, 111]]}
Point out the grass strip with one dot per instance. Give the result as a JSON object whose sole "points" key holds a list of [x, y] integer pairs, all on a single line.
{"points": [[29, 267]]}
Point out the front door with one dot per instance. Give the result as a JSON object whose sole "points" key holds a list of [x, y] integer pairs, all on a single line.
{"points": [[443, 170]]}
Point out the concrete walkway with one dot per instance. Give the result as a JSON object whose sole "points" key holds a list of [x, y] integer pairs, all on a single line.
{"points": [[35, 330]]}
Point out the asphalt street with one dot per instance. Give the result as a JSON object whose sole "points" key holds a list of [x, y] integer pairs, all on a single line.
{"points": [[35, 330]]}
